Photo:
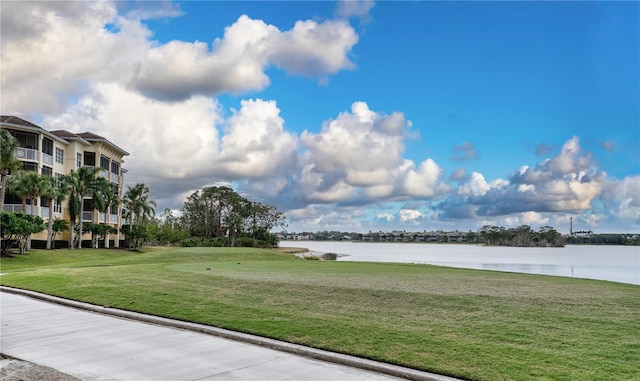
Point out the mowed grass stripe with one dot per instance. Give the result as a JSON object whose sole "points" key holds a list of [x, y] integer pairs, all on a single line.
{"points": [[471, 324]]}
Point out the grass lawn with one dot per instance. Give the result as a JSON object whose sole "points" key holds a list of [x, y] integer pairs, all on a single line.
{"points": [[477, 325]]}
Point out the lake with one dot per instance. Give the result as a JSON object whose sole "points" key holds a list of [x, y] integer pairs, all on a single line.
{"points": [[612, 263]]}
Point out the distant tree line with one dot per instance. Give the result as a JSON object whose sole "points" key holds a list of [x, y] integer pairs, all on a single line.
{"points": [[604, 239], [522, 236]]}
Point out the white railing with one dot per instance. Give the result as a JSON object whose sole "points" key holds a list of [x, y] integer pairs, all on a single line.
{"points": [[35, 210], [113, 218], [47, 159], [102, 217], [87, 216], [104, 173], [27, 153], [13, 208], [115, 178]]}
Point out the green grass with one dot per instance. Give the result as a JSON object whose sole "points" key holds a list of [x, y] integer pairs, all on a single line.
{"points": [[477, 325]]}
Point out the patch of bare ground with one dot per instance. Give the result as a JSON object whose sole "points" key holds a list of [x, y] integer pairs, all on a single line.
{"points": [[12, 369]]}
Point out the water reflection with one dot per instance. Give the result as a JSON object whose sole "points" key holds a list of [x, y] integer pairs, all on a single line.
{"points": [[613, 263]]}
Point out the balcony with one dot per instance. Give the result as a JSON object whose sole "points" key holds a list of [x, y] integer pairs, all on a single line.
{"points": [[42, 211], [27, 154], [87, 216], [115, 178], [47, 159]]}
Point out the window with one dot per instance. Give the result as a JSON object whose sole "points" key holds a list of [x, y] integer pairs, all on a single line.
{"points": [[59, 155], [89, 159], [78, 160], [25, 139], [46, 171], [57, 207], [104, 162], [47, 146], [27, 166], [58, 177], [115, 168]]}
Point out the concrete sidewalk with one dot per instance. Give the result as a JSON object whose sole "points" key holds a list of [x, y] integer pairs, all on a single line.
{"points": [[128, 346]]}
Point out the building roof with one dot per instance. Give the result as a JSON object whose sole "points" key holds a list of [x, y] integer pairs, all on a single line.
{"points": [[83, 137], [91, 137], [10, 119]]}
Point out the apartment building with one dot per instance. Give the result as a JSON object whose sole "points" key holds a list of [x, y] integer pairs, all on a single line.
{"points": [[55, 153]]}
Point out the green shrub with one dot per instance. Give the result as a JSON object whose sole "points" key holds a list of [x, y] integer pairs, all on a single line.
{"points": [[329, 256], [204, 242]]}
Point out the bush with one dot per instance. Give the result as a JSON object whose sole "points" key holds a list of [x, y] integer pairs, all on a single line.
{"points": [[244, 242], [204, 242], [329, 256]]}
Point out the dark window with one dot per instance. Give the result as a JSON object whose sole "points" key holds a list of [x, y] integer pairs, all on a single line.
{"points": [[30, 166], [104, 162], [88, 204], [47, 171], [115, 168], [89, 159], [25, 139], [47, 146]]}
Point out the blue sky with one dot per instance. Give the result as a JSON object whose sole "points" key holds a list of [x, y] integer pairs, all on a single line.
{"points": [[352, 116]]}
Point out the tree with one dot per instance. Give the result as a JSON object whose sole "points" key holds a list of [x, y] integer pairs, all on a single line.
{"points": [[17, 227], [109, 198], [220, 211], [67, 188], [80, 184], [8, 161], [57, 227], [51, 191], [138, 207], [27, 185], [99, 232]]}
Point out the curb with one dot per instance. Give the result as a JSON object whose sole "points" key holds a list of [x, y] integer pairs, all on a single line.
{"points": [[318, 354]]}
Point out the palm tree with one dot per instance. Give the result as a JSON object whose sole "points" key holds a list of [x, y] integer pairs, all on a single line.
{"points": [[80, 184], [68, 189], [53, 191], [49, 193], [109, 197], [58, 226], [8, 161], [138, 205], [27, 185]]}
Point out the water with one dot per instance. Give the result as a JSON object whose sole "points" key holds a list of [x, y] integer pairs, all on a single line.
{"points": [[613, 263]]}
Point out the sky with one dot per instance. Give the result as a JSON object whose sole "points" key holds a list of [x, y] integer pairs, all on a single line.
{"points": [[354, 116]]}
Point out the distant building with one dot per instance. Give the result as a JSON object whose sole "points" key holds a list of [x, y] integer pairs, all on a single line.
{"points": [[57, 153]]}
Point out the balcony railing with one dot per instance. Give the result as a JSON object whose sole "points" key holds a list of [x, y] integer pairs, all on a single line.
{"points": [[42, 211], [115, 178], [27, 154], [87, 216], [113, 218], [47, 159]]}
